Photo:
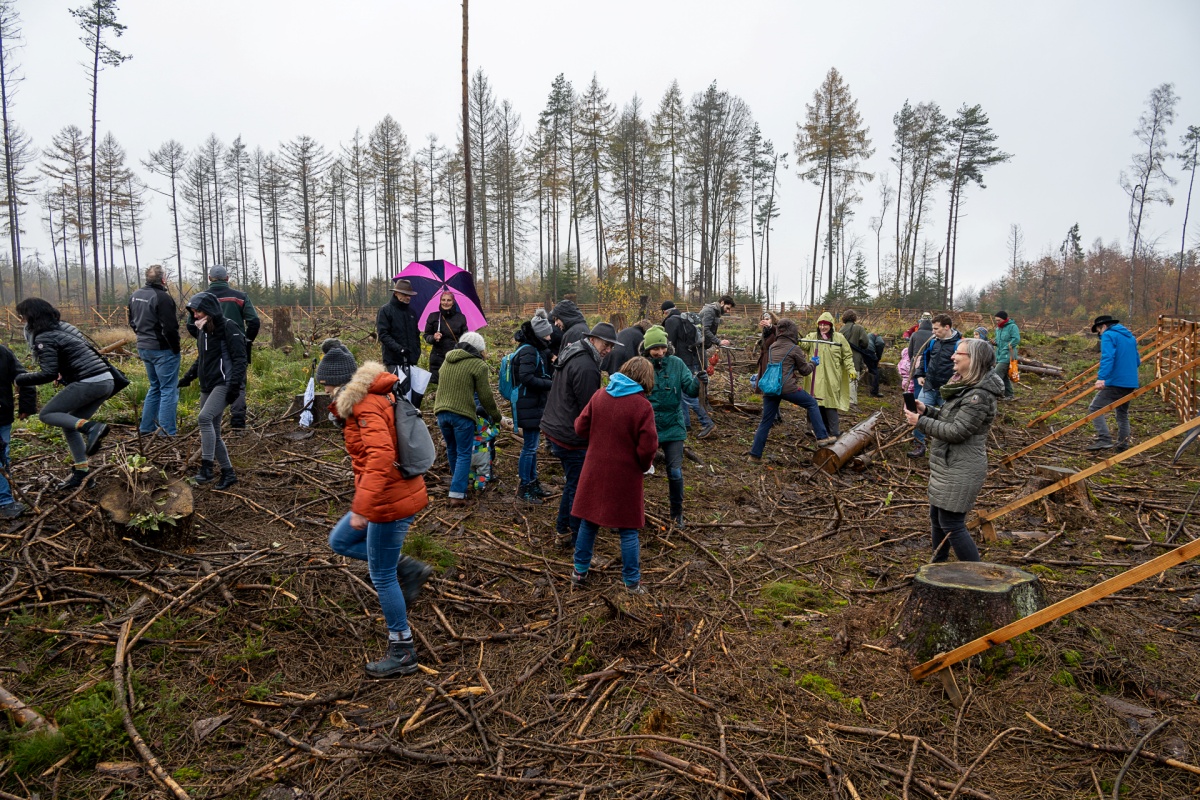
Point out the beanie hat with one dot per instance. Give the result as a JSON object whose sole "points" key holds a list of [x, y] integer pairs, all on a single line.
{"points": [[981, 332], [474, 341], [655, 337], [667, 305], [218, 273], [541, 326], [1001, 315], [337, 366]]}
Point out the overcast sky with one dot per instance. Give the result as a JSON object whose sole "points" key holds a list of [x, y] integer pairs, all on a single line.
{"points": [[1063, 83]]}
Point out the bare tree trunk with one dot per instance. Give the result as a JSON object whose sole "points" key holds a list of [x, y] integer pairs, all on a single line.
{"points": [[470, 184], [812, 291], [95, 90]]}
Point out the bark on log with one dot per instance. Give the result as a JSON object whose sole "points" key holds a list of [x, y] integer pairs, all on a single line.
{"points": [[320, 408], [1051, 372], [1033, 362], [22, 714], [832, 458], [956, 602], [281, 327], [1076, 494]]}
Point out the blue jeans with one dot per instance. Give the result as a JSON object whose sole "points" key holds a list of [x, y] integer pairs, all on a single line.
{"points": [[931, 398], [527, 463], [693, 404], [572, 464], [459, 433], [162, 399], [771, 409], [630, 551], [6, 498], [379, 546]]}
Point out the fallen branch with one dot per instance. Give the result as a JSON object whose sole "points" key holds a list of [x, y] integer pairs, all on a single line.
{"points": [[23, 714], [1109, 748]]}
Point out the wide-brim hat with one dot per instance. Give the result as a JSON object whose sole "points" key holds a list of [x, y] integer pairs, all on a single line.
{"points": [[605, 332], [403, 286], [1103, 319]]}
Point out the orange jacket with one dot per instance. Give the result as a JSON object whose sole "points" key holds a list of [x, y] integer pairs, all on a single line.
{"points": [[381, 493]]}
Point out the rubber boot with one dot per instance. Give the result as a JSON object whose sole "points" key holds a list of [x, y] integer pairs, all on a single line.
{"points": [[401, 659], [412, 575], [228, 478], [675, 493], [206, 472]]}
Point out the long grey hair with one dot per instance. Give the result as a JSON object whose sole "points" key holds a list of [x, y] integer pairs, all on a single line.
{"points": [[983, 359]]}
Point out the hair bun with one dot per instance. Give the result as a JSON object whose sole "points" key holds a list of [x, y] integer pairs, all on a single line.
{"points": [[330, 344]]}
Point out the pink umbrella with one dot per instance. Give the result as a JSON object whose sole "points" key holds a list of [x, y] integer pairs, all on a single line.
{"points": [[430, 279]]}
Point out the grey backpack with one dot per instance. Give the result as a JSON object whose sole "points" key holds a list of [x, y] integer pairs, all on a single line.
{"points": [[414, 446]]}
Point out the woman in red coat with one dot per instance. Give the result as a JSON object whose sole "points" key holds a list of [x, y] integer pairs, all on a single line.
{"points": [[384, 500], [619, 426]]}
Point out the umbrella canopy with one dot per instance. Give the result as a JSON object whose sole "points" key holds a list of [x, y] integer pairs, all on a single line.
{"points": [[430, 278]]}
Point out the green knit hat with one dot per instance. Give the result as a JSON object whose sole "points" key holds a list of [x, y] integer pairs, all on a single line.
{"points": [[655, 337]]}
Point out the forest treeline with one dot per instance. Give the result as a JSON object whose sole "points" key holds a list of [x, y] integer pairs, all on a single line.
{"points": [[676, 197]]}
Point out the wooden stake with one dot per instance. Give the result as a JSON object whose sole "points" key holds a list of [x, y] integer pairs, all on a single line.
{"points": [[1059, 609], [951, 686]]}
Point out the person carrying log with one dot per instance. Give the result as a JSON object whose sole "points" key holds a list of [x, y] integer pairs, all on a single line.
{"points": [[959, 430], [1118, 376], [785, 351], [834, 362]]}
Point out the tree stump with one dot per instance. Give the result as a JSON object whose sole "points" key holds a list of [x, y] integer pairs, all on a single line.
{"points": [[955, 602], [1076, 494], [832, 458], [281, 327], [320, 407], [162, 514]]}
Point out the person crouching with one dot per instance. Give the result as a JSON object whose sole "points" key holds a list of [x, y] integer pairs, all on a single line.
{"points": [[384, 503], [618, 424]]}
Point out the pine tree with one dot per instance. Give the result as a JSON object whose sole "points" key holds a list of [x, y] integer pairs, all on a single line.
{"points": [[169, 161]]}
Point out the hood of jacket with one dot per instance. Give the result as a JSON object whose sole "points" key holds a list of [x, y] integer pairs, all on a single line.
{"points": [[461, 353], [925, 325], [526, 335], [826, 317], [1120, 331], [786, 329], [621, 385], [371, 378], [569, 313], [206, 302], [576, 348], [991, 383]]}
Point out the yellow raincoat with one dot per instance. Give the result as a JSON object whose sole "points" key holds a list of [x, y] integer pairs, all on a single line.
{"points": [[833, 374]]}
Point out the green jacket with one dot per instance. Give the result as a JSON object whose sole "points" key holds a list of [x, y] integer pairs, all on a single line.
{"points": [[833, 374], [1007, 337], [672, 380], [463, 376]]}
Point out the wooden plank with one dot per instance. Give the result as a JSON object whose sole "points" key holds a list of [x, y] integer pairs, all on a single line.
{"points": [[1090, 389], [1078, 476], [1099, 412], [1059, 609]]}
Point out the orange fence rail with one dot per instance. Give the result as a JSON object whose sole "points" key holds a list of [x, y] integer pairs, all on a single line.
{"points": [[1182, 391]]}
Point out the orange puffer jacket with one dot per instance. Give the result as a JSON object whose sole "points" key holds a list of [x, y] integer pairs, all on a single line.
{"points": [[381, 493]]}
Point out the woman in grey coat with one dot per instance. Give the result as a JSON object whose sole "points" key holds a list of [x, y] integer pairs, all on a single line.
{"points": [[958, 445]]}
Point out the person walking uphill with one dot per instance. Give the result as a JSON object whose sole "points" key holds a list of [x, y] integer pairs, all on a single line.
{"points": [[834, 364], [155, 322], [619, 425], [63, 355], [26, 404], [576, 379], [531, 373], [958, 452], [443, 329], [673, 381], [221, 367], [785, 351], [396, 326], [384, 503], [1008, 339], [1118, 376], [463, 378], [235, 306]]}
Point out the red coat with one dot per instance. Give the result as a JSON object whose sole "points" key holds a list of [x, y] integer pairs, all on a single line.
{"points": [[381, 493], [621, 446]]}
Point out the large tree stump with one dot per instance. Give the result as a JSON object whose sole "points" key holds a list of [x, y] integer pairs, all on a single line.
{"points": [[837, 455], [281, 327], [161, 513], [955, 602], [1076, 494]]}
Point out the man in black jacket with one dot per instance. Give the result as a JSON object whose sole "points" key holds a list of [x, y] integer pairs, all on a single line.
{"points": [[567, 317], [237, 307], [396, 325], [10, 368], [934, 368], [153, 318], [681, 333], [576, 379]]}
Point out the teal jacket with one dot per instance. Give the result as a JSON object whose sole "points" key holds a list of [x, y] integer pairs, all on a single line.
{"points": [[1007, 337], [672, 380]]}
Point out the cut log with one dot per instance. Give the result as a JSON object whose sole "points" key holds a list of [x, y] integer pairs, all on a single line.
{"points": [[1033, 362], [1046, 371], [281, 327], [320, 407], [955, 602], [22, 714], [837, 455]]}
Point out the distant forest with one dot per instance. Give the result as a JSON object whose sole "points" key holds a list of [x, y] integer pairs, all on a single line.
{"points": [[679, 198]]}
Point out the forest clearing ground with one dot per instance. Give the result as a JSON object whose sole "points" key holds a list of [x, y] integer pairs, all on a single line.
{"points": [[762, 664]]}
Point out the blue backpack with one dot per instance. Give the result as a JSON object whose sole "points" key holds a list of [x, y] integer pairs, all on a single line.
{"points": [[509, 389], [771, 382]]}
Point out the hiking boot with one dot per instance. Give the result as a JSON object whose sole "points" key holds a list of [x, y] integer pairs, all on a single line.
{"points": [[206, 472], [527, 495], [635, 588], [412, 575], [458, 502], [237, 423], [96, 431], [565, 540], [228, 478], [707, 431], [401, 659], [918, 451], [753, 459], [1101, 444], [828, 440], [677, 521], [539, 490], [1120, 447], [12, 511], [78, 476]]}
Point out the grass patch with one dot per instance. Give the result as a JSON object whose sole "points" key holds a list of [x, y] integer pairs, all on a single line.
{"points": [[788, 597], [424, 547], [32, 753], [253, 649]]}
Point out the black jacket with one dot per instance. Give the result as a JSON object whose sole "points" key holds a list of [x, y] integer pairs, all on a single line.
{"points": [[682, 336], [576, 379], [575, 326], [220, 353], [396, 324], [452, 325], [62, 350], [918, 340], [531, 371], [940, 367], [153, 317], [630, 345], [10, 368]]}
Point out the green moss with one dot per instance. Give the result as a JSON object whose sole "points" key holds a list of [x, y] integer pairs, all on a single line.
{"points": [[1064, 678], [1043, 571], [253, 649], [32, 753], [1072, 658], [187, 774], [584, 663], [424, 547], [788, 597], [821, 686], [1151, 650]]}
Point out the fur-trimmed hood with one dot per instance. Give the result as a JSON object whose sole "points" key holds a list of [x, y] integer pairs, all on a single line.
{"points": [[371, 378]]}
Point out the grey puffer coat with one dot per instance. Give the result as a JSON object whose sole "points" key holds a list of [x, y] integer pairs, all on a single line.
{"points": [[958, 442]]}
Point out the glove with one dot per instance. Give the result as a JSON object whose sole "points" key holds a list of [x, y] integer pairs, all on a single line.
{"points": [[816, 361], [704, 378], [183, 382], [231, 394]]}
